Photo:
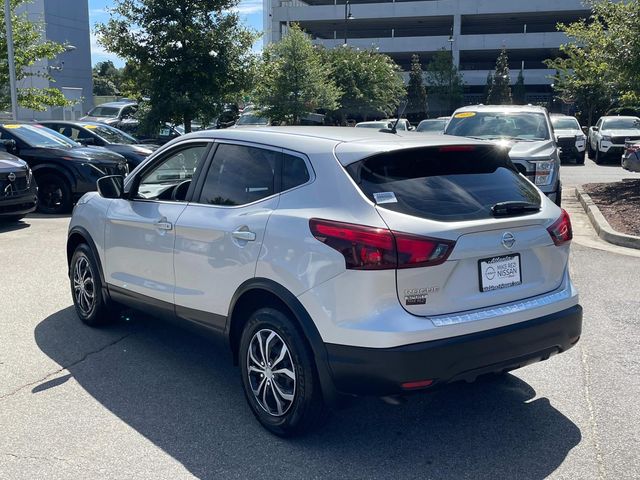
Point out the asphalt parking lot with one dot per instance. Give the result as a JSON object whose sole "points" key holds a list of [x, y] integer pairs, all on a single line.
{"points": [[144, 399]]}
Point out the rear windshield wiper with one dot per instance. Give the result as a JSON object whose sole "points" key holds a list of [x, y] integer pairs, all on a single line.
{"points": [[503, 209]]}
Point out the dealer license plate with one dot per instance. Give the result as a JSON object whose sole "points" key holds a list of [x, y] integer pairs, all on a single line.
{"points": [[499, 272]]}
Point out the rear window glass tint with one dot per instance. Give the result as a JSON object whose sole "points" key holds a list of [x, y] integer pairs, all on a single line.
{"points": [[294, 172], [442, 185]]}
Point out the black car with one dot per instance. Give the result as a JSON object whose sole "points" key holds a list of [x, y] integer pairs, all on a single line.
{"points": [[94, 134], [18, 189], [63, 169], [160, 136]]}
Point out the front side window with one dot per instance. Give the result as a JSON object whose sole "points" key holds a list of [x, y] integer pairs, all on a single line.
{"points": [[240, 175], [170, 179]]}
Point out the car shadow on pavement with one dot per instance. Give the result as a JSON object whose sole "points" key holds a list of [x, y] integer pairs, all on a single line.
{"points": [[12, 226], [179, 389]]}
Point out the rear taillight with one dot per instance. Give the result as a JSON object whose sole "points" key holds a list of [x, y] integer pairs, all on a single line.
{"points": [[561, 231], [370, 248]]}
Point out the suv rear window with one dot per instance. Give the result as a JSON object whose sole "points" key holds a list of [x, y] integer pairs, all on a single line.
{"points": [[442, 183]]}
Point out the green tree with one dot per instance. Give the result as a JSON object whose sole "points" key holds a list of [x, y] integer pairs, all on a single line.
{"points": [[487, 87], [29, 48], [519, 90], [106, 79], [294, 80], [191, 54], [600, 66], [416, 91], [370, 83], [500, 91], [445, 86]]}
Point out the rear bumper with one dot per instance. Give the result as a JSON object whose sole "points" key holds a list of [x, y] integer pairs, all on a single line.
{"points": [[373, 371]]}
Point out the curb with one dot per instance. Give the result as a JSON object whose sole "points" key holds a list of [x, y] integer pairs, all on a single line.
{"points": [[601, 225]]}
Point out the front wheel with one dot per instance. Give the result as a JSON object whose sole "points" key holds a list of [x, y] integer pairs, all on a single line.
{"points": [[278, 374], [580, 159], [598, 158], [54, 194]]}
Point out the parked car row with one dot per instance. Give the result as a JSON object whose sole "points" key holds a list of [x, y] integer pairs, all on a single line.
{"points": [[61, 161]]}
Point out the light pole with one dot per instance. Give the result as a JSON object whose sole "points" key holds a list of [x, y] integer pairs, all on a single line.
{"points": [[451, 40], [10, 59], [347, 17]]}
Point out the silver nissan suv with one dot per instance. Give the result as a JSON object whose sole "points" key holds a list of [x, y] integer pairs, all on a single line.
{"points": [[333, 261]]}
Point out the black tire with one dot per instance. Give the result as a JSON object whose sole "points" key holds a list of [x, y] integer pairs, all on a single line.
{"points": [[306, 408], [580, 159], [54, 194], [97, 312], [597, 159]]}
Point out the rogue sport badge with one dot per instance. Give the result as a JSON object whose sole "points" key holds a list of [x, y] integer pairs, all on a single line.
{"points": [[508, 240], [12, 177]]}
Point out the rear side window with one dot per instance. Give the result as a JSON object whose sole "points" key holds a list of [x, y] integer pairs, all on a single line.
{"points": [[443, 183], [240, 175], [294, 172]]}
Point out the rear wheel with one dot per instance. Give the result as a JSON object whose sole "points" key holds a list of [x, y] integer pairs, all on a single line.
{"points": [[278, 374], [54, 194], [86, 288]]}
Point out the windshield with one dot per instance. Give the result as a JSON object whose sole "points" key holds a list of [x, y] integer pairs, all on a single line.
{"points": [[104, 112], [111, 135], [495, 125], [628, 123], [252, 120], [561, 123], [431, 126], [37, 136]]}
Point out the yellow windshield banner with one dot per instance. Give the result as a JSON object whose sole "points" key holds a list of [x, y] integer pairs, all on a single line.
{"points": [[91, 127], [12, 125], [464, 115]]}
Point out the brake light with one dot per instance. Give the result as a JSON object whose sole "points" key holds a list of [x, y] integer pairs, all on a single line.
{"points": [[561, 231], [371, 248], [457, 148]]}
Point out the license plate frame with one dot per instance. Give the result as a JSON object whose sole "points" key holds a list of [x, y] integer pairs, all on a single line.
{"points": [[489, 277]]}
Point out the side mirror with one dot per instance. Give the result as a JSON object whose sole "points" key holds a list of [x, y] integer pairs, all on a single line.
{"points": [[595, 129], [111, 186], [585, 129], [10, 146]]}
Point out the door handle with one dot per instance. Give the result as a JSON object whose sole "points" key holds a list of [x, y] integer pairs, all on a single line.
{"points": [[244, 235], [164, 225]]}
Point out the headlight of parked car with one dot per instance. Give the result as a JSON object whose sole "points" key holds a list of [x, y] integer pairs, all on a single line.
{"points": [[544, 172], [606, 138]]}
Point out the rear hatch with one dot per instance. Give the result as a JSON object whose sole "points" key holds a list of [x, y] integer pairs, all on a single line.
{"points": [[488, 225]]}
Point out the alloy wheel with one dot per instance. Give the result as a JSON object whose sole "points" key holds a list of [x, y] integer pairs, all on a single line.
{"points": [[271, 372], [83, 285]]}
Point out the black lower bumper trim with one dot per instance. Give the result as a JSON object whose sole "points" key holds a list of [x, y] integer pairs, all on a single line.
{"points": [[373, 371]]}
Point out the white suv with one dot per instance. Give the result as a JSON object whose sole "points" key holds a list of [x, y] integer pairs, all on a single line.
{"points": [[334, 261]]}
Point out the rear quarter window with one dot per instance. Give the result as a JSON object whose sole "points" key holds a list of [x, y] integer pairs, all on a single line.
{"points": [[445, 184]]}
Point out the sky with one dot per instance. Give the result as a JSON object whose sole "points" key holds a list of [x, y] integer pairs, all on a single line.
{"points": [[250, 13]]}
